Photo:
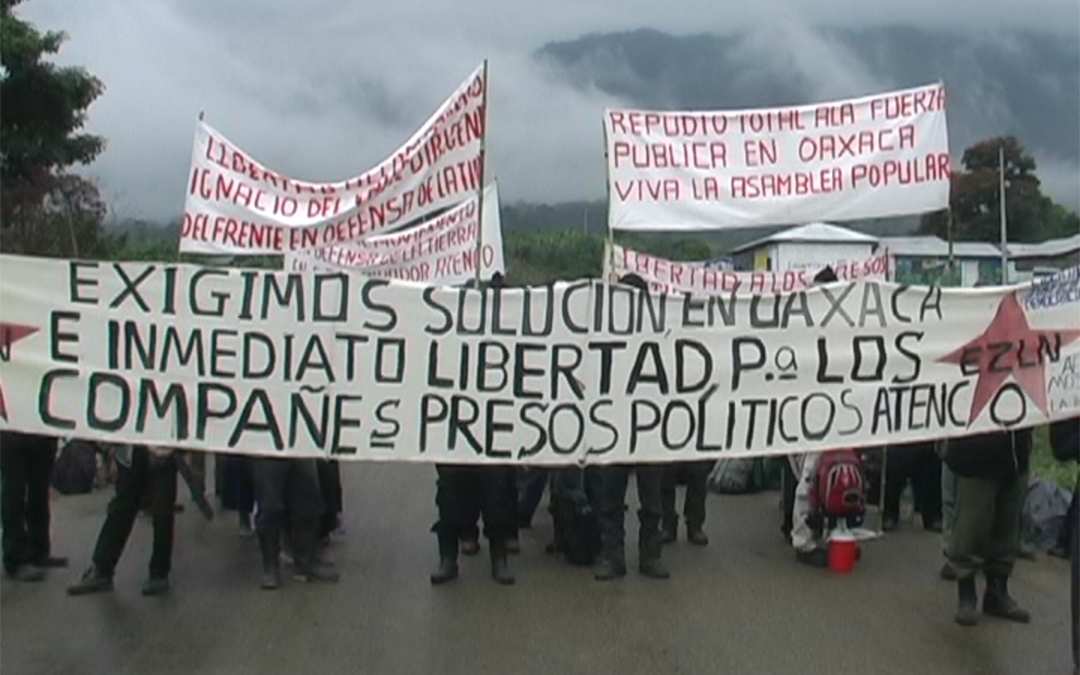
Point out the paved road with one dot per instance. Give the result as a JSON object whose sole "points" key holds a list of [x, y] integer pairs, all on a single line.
{"points": [[740, 606]]}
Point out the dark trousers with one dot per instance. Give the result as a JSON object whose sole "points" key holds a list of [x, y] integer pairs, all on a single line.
{"points": [[146, 474], [238, 482], [26, 464], [288, 490], [695, 475], [534, 483], [613, 481], [919, 464], [332, 494], [464, 493], [986, 532]]}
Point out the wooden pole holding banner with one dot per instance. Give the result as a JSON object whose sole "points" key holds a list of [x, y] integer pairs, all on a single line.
{"points": [[480, 191], [610, 240], [1004, 217]]}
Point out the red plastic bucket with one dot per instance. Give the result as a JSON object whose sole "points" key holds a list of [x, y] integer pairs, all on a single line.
{"points": [[843, 551]]}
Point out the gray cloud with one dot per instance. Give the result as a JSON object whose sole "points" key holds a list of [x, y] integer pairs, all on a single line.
{"points": [[323, 90]]}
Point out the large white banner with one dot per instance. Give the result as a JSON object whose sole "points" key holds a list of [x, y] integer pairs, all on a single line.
{"points": [[238, 206], [443, 250], [261, 362], [697, 278], [883, 155]]}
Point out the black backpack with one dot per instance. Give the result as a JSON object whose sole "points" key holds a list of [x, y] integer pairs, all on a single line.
{"points": [[577, 529], [75, 468]]}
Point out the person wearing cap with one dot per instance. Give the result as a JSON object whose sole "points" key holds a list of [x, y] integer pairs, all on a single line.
{"points": [[611, 500], [140, 468]]}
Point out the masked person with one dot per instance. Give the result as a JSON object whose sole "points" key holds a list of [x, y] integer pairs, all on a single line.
{"points": [[465, 492], [287, 492], [993, 479], [611, 501], [26, 465], [141, 470]]}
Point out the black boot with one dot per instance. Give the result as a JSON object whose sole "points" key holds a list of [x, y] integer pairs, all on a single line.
{"points": [[448, 567], [967, 611], [309, 567], [270, 547], [500, 565], [997, 602]]}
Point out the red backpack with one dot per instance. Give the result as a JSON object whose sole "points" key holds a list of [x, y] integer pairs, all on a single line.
{"points": [[841, 484]]}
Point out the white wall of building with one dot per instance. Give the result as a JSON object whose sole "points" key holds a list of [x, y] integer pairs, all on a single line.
{"points": [[814, 256]]}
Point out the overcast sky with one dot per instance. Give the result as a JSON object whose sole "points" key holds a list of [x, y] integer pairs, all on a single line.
{"points": [[323, 90]]}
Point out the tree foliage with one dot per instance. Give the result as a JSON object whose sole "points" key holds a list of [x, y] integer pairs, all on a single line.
{"points": [[975, 197], [45, 210]]}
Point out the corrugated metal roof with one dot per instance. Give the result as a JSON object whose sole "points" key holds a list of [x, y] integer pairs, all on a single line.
{"points": [[822, 233], [1047, 249], [936, 247]]}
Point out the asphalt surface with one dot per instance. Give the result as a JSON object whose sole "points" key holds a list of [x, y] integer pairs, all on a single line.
{"points": [[741, 606]]}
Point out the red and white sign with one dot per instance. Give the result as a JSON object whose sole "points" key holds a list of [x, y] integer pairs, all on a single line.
{"points": [[674, 277], [876, 156], [440, 251], [238, 206]]}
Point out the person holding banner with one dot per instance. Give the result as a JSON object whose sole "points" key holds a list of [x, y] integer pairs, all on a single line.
{"points": [[462, 492], [288, 489], [613, 481], [993, 478], [26, 464], [141, 469]]}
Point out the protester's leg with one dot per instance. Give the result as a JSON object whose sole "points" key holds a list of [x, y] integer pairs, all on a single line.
{"points": [[697, 476], [948, 506], [1002, 549], [898, 467], [499, 508], [448, 528], [928, 487], [669, 478], [270, 477], [40, 462], [650, 479], [535, 483], [328, 489], [162, 476], [611, 515], [14, 458], [306, 509], [976, 500], [469, 490]]}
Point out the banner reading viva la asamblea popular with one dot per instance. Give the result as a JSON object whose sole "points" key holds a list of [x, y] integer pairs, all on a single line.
{"points": [[882, 155], [290, 365], [236, 205], [443, 250]]}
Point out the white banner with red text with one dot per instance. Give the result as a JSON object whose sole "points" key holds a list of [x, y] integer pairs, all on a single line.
{"points": [[445, 250], [303, 365], [235, 205], [697, 278], [877, 156]]}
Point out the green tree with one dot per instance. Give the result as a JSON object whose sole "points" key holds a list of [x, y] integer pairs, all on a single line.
{"points": [[45, 210], [975, 196]]}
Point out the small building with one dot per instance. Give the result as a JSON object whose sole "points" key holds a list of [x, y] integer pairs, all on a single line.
{"points": [[807, 247], [1034, 260], [923, 261]]}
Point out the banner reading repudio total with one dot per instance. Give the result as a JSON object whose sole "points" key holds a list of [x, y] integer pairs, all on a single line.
{"points": [[444, 250], [313, 364], [235, 205], [877, 156]]}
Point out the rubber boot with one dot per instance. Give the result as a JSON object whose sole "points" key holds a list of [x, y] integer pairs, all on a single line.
{"points": [[500, 564], [997, 602], [967, 611], [270, 547], [448, 566], [309, 568]]}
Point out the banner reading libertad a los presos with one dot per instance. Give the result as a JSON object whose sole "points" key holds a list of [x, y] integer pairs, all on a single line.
{"points": [[876, 156], [447, 250], [259, 362], [238, 206]]}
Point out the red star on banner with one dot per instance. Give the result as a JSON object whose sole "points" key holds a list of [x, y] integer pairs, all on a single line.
{"points": [[10, 333], [1009, 347]]}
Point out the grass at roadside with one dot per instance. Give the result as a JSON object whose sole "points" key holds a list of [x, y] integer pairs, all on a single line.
{"points": [[1043, 464]]}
